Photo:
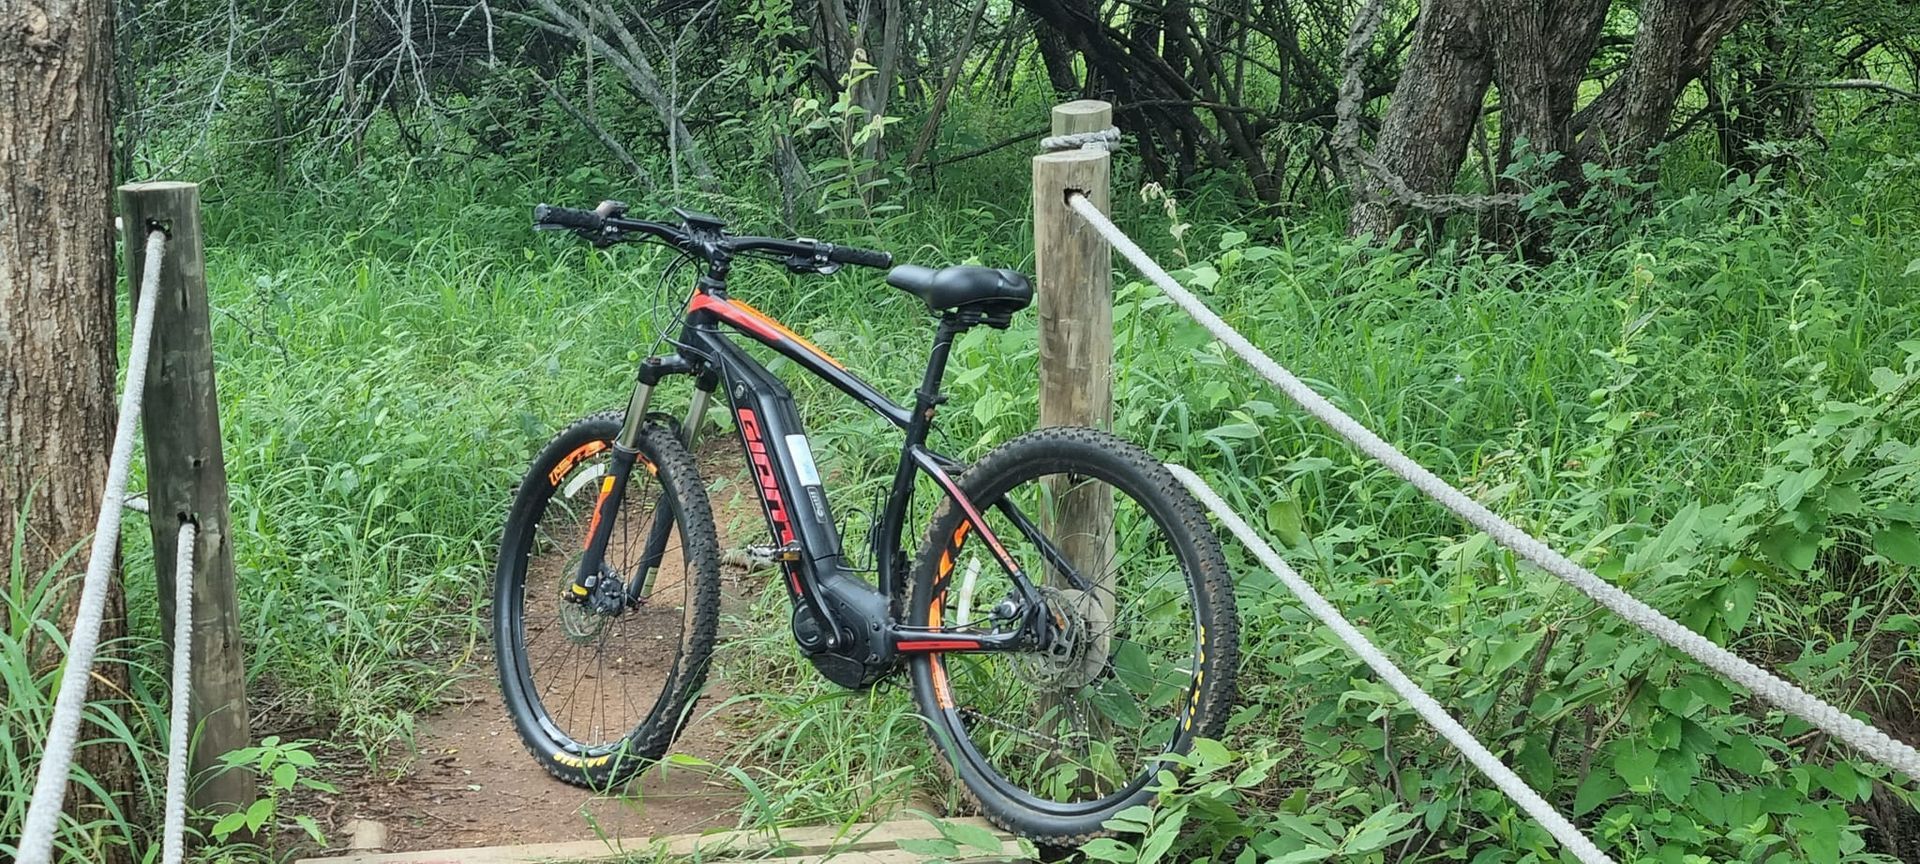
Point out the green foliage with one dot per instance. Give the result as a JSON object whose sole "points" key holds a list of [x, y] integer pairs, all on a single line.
{"points": [[1693, 408], [29, 638], [1707, 398], [283, 767], [854, 176]]}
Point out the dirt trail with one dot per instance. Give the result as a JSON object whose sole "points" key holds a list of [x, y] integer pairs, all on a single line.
{"points": [[472, 783]]}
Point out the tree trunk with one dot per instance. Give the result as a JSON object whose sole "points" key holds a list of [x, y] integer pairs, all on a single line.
{"points": [[1540, 51], [1057, 56], [1671, 48], [1152, 100], [1434, 110], [1760, 106], [57, 322], [877, 91], [931, 127]]}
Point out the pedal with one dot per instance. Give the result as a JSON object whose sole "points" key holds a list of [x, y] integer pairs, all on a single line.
{"points": [[760, 556]]}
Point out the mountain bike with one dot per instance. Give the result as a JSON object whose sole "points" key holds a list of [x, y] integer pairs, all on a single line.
{"points": [[1067, 622]]}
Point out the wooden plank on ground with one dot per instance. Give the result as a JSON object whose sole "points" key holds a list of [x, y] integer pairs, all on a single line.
{"points": [[861, 843]]}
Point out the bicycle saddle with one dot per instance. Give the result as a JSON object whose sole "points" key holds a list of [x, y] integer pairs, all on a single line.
{"points": [[964, 288]]}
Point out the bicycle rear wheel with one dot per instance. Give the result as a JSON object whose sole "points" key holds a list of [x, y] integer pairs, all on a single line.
{"points": [[598, 687], [1051, 745]]}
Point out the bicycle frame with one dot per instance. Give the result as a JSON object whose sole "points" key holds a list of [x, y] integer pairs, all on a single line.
{"points": [[787, 482]]}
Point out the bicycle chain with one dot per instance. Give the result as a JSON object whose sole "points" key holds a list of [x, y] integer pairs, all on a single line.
{"points": [[1058, 745]]}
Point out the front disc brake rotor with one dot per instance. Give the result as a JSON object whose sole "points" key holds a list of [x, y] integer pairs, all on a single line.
{"points": [[582, 620]]}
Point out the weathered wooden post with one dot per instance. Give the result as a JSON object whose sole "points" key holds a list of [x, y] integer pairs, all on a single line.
{"points": [[1075, 276], [1074, 273], [187, 480]]}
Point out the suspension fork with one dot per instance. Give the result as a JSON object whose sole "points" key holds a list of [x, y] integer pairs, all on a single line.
{"points": [[613, 488], [656, 548]]}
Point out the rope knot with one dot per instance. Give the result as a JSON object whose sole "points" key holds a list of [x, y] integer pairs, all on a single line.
{"points": [[1103, 139]]}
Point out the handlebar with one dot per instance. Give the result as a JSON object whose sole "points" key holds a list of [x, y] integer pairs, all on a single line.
{"points": [[567, 217], [704, 237]]}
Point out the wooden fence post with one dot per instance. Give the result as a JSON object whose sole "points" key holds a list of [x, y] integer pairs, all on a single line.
{"points": [[1073, 269], [187, 480]]}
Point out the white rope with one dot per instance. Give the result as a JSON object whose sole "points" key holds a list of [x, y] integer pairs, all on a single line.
{"points": [[50, 787], [1423, 704], [1103, 139], [173, 828], [1864, 738]]}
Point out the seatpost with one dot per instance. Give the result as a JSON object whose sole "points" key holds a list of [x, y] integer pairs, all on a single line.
{"points": [[929, 396]]}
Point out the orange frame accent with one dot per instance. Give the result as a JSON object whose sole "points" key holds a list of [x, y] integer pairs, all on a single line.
{"points": [[742, 314], [599, 504]]}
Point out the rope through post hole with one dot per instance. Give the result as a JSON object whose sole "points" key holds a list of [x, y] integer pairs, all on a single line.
{"points": [[50, 785], [1423, 704], [1865, 739], [173, 827]]}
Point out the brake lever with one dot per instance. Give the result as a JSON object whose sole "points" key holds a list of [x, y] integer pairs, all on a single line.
{"points": [[816, 263]]}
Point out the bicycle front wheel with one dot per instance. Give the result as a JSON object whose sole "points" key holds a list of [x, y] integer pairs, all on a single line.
{"points": [[599, 686], [1052, 744]]}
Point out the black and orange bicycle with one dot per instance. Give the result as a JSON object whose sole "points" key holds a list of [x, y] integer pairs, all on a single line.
{"points": [[1067, 622]]}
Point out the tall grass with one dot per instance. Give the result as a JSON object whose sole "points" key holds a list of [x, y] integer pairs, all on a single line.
{"points": [[31, 645], [393, 347]]}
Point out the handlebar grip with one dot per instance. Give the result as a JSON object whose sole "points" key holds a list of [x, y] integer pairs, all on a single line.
{"points": [[861, 257], [567, 217]]}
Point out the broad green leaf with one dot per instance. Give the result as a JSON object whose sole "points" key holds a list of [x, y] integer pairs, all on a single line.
{"points": [[228, 824], [1599, 787], [1817, 833], [1306, 829], [1511, 651], [1736, 601], [1794, 486], [932, 847], [1789, 548], [1107, 849], [259, 813], [1635, 764], [971, 835], [1676, 774], [1305, 855], [1284, 520], [1899, 544], [1156, 845]]}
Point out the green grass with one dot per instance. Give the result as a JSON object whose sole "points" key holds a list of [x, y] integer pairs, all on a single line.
{"points": [[388, 371], [392, 349]]}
